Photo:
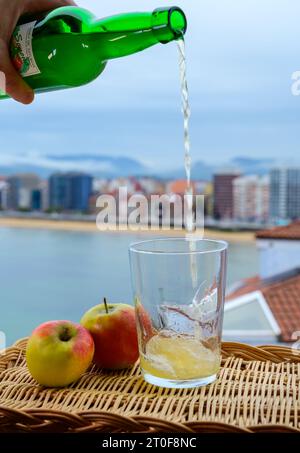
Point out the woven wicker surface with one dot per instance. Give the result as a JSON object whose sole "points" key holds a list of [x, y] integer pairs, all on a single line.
{"points": [[258, 390]]}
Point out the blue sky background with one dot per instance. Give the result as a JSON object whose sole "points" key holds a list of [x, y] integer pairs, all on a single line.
{"points": [[241, 56]]}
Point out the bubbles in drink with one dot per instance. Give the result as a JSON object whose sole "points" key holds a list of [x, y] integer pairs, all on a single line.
{"points": [[174, 356]]}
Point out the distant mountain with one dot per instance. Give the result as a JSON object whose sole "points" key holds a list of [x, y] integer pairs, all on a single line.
{"points": [[101, 165], [250, 165], [98, 165], [200, 170], [11, 170], [246, 165]]}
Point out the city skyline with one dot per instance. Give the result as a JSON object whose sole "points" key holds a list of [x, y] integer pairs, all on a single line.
{"points": [[240, 89], [231, 196]]}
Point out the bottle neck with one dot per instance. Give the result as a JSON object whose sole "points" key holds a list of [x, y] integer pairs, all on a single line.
{"points": [[168, 24], [126, 34]]}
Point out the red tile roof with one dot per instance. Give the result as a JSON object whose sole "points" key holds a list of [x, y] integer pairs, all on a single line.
{"points": [[291, 231], [283, 299], [248, 285], [282, 294], [179, 186]]}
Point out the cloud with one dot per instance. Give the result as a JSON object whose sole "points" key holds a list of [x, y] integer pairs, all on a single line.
{"points": [[36, 159]]}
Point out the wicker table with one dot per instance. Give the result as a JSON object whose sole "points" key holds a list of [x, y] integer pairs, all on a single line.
{"points": [[258, 390]]}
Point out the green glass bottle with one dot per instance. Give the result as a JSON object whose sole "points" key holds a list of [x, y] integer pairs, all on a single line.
{"points": [[69, 47]]}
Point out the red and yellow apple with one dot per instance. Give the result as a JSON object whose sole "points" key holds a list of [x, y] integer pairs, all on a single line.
{"points": [[113, 328], [59, 352]]}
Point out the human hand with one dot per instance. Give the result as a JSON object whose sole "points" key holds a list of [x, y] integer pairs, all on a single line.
{"points": [[11, 10]]}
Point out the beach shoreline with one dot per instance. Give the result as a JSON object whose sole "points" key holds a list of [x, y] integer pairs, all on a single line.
{"points": [[84, 226]]}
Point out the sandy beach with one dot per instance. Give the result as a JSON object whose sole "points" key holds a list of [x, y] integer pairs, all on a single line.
{"points": [[65, 225]]}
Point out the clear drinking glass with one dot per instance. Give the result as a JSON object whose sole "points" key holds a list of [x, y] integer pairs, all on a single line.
{"points": [[179, 287]]}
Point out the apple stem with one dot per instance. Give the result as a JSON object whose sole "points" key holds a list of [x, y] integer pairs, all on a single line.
{"points": [[105, 304]]}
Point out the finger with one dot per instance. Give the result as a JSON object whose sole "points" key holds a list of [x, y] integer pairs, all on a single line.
{"points": [[15, 86], [47, 5]]}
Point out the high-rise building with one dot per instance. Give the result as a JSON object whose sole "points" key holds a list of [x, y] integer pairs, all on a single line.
{"points": [[81, 190], [70, 191], [285, 193], [223, 193], [251, 198], [39, 197], [20, 187], [36, 200], [59, 191], [44, 197], [3, 194]]}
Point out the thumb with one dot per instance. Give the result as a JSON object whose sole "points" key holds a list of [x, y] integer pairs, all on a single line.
{"points": [[14, 84], [45, 5]]}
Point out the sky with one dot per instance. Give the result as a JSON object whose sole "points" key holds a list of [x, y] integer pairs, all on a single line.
{"points": [[240, 60]]}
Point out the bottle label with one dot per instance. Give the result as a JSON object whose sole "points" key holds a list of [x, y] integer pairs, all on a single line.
{"points": [[21, 49]]}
